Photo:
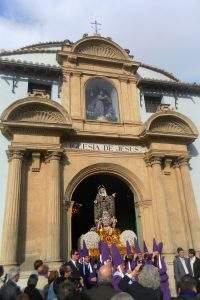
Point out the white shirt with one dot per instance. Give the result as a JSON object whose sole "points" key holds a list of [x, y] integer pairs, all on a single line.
{"points": [[192, 260], [184, 265]]}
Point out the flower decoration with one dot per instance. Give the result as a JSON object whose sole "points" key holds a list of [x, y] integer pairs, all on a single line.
{"points": [[91, 239], [127, 235]]}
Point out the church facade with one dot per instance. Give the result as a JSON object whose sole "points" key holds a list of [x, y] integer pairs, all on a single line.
{"points": [[85, 109]]}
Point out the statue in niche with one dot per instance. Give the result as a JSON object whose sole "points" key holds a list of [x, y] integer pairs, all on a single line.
{"points": [[100, 105], [104, 210]]}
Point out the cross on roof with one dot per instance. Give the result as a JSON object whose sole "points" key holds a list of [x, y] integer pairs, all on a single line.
{"points": [[95, 27]]}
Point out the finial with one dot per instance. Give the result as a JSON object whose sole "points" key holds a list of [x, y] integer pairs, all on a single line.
{"points": [[95, 25]]}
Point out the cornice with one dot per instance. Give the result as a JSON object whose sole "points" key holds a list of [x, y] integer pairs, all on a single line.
{"points": [[169, 85]]}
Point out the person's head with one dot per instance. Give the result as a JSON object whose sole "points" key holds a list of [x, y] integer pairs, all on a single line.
{"points": [[23, 296], [87, 259], [1, 270], [38, 266], [14, 274], [122, 267], [197, 254], [53, 275], [181, 252], [65, 271], [140, 256], [187, 283], [149, 277], [65, 288], [191, 253], [45, 270], [32, 281], [122, 296], [105, 274], [77, 296], [74, 255]]}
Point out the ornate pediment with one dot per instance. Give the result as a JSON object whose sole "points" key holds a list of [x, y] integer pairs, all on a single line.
{"points": [[169, 125], [39, 113], [100, 48]]}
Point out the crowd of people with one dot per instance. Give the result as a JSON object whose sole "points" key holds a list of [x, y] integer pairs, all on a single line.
{"points": [[141, 275]]}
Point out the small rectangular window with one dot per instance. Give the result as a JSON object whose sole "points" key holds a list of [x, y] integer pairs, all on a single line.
{"points": [[152, 103], [39, 86]]}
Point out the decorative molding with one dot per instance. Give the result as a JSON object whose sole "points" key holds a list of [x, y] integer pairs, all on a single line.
{"points": [[167, 166], [99, 48], [169, 124], [155, 160], [15, 154], [39, 94], [184, 161], [54, 155], [39, 113]]}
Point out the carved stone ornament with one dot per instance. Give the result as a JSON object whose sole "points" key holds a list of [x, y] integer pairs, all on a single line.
{"points": [[15, 154], [39, 94], [164, 108], [100, 48], [40, 113], [167, 166], [169, 125]]}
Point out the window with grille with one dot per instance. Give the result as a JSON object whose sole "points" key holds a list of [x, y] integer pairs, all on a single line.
{"points": [[152, 103]]}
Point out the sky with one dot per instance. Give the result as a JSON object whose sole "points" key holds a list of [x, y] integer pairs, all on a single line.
{"points": [[163, 33]]}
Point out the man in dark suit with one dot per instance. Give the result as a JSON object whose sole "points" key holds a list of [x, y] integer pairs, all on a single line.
{"points": [[195, 266], [181, 266], [10, 290], [75, 265]]}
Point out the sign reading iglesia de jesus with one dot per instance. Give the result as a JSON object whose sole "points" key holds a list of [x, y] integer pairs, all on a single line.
{"points": [[105, 147]]}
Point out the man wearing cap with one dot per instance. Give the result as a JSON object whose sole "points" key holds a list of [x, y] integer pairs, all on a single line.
{"points": [[10, 290]]}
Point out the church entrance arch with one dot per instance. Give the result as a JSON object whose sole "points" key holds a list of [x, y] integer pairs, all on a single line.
{"points": [[83, 192]]}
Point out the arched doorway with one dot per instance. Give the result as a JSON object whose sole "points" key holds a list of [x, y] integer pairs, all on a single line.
{"points": [[85, 194]]}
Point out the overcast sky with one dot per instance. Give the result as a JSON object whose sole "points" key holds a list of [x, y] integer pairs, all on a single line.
{"points": [[164, 33]]}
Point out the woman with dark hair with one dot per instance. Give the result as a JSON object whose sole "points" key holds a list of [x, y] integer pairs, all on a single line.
{"points": [[31, 289]]}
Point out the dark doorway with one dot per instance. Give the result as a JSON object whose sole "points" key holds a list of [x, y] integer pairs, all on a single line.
{"points": [[85, 194]]}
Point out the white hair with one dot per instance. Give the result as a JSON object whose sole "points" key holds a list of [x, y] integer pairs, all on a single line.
{"points": [[122, 296], [14, 271]]}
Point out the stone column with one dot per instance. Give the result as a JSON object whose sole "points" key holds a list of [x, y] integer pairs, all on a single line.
{"points": [[161, 207], [12, 207], [190, 203], [179, 183], [53, 210]]}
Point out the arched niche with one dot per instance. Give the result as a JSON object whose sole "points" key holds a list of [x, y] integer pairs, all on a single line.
{"points": [[101, 100]]}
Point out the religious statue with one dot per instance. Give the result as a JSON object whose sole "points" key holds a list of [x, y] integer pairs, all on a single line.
{"points": [[104, 210], [100, 106]]}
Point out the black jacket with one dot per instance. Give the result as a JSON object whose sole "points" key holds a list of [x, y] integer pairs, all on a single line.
{"points": [[138, 292], [33, 293], [103, 292], [9, 291], [77, 272], [196, 268]]}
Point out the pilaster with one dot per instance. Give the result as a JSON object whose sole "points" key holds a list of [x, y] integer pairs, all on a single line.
{"points": [[11, 215], [54, 209], [190, 202], [160, 204]]}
